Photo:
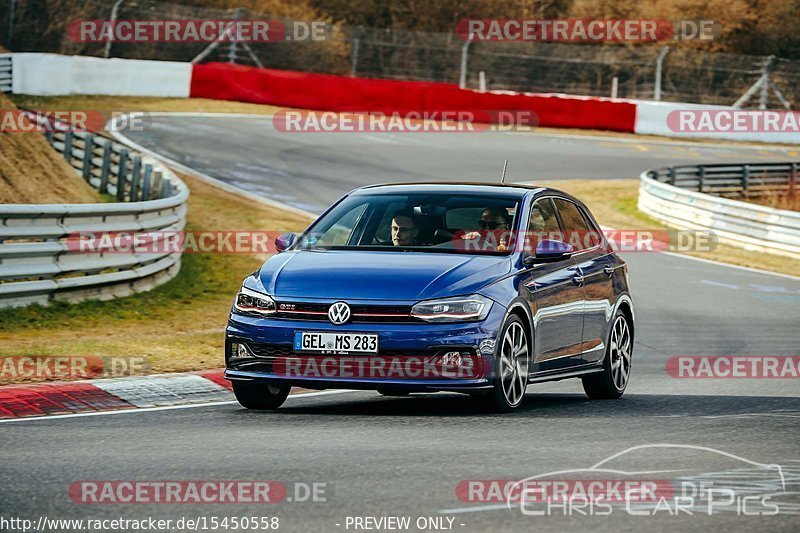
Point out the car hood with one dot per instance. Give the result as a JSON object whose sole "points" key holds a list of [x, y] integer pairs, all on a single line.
{"points": [[374, 275]]}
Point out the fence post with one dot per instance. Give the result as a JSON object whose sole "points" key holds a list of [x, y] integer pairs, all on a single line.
{"points": [[793, 180], [113, 20], [88, 152], [148, 175], [764, 94], [702, 178], [232, 50], [462, 79], [745, 179], [68, 147], [354, 56], [136, 171], [122, 174], [659, 67], [105, 168]]}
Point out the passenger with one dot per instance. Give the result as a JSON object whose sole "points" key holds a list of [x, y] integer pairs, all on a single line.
{"points": [[492, 219]]}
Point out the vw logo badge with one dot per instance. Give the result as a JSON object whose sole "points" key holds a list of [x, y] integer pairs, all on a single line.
{"points": [[339, 313]]}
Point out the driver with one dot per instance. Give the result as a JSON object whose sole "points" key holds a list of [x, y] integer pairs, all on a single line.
{"points": [[404, 230]]}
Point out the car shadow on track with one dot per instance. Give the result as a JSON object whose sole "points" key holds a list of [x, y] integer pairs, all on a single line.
{"points": [[552, 405]]}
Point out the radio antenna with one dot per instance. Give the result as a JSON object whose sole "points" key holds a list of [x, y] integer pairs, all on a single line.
{"points": [[503, 177]]}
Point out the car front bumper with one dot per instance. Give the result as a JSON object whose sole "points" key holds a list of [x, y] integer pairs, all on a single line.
{"points": [[270, 343]]}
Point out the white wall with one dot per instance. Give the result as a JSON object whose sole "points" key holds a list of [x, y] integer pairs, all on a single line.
{"points": [[651, 118], [52, 74]]}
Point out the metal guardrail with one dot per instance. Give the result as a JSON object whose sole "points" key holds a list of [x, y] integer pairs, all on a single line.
{"points": [[6, 64], [691, 198], [732, 181], [38, 263]]}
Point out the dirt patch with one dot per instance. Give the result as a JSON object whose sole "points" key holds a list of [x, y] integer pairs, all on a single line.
{"points": [[31, 172]]}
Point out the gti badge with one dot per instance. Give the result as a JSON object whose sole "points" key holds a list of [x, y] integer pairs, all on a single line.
{"points": [[339, 313]]}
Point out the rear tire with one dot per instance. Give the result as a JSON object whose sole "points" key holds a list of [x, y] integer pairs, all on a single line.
{"points": [[610, 384], [259, 396], [512, 363]]}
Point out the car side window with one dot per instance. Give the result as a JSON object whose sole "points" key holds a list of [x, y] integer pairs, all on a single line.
{"points": [[543, 218], [339, 234], [595, 235], [579, 234], [543, 224]]}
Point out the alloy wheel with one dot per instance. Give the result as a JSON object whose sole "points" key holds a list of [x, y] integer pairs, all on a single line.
{"points": [[620, 353], [514, 364]]}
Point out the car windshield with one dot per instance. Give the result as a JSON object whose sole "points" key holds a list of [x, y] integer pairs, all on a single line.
{"points": [[429, 222]]}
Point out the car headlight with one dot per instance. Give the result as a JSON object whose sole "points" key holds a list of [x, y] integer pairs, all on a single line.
{"points": [[458, 309], [249, 301]]}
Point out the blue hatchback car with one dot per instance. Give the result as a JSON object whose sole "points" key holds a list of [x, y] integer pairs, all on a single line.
{"points": [[473, 288]]}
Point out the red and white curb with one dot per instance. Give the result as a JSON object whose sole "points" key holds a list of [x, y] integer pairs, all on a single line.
{"points": [[102, 395], [59, 398]]}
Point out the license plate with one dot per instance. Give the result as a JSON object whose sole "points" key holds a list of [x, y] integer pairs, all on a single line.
{"points": [[335, 343]]}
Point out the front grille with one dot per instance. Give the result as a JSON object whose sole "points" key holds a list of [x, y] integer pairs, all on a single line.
{"points": [[359, 313], [262, 349]]}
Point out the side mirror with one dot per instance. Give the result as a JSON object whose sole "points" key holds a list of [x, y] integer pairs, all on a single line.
{"points": [[549, 251], [285, 241]]}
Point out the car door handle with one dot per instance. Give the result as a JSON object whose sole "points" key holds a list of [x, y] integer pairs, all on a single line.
{"points": [[608, 270]]}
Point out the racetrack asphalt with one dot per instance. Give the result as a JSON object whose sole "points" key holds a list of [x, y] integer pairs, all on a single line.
{"points": [[405, 456]]}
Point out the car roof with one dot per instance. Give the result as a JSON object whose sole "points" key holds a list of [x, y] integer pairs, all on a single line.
{"points": [[515, 190]]}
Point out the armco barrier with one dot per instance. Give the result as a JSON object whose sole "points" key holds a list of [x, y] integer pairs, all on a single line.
{"points": [[38, 265], [6, 78], [666, 196], [306, 90]]}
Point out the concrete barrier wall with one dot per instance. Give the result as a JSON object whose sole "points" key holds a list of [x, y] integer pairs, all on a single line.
{"points": [[651, 119], [52, 74]]}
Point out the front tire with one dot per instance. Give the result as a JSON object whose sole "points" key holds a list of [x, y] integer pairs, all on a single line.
{"points": [[512, 363], [259, 396], [610, 384]]}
